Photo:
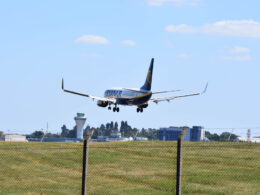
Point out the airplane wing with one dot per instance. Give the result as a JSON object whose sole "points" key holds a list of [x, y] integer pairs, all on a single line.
{"points": [[168, 99], [152, 92], [165, 91], [109, 100]]}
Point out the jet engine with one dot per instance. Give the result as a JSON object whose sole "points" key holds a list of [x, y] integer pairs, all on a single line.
{"points": [[102, 103], [144, 106]]}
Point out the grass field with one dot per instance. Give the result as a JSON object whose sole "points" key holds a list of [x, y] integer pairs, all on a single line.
{"points": [[129, 168]]}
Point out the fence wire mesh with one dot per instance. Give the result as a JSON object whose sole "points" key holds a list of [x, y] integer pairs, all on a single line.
{"points": [[40, 168], [221, 168], [130, 168]]}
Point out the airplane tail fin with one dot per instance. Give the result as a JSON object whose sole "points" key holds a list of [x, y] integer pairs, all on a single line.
{"points": [[148, 82]]}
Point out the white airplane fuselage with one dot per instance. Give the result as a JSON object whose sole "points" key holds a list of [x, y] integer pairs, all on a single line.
{"points": [[128, 97]]}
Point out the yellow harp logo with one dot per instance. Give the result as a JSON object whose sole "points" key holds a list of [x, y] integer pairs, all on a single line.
{"points": [[149, 77]]}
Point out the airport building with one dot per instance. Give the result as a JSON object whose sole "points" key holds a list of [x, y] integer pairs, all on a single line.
{"points": [[114, 137], [245, 139], [80, 120], [13, 138], [196, 133]]}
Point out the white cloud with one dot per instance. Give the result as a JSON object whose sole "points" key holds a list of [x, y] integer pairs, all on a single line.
{"points": [[184, 56], [177, 3], [92, 39], [238, 49], [240, 28], [128, 42], [183, 28], [237, 58], [238, 53]]}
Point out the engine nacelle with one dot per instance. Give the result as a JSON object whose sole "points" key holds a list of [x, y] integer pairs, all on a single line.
{"points": [[102, 103], [144, 106]]}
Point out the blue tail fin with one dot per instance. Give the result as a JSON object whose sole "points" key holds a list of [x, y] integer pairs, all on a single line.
{"points": [[148, 82]]}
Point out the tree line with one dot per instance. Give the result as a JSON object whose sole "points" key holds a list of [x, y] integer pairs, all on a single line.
{"points": [[125, 129], [225, 136]]}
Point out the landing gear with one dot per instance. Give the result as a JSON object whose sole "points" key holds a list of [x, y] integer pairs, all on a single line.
{"points": [[115, 109], [139, 109], [109, 108]]}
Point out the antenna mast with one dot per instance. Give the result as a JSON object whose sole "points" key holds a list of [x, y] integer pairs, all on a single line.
{"points": [[248, 135]]}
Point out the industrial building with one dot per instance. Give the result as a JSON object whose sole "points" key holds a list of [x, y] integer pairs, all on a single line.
{"points": [[196, 133], [114, 137], [46, 139], [13, 138], [245, 139]]}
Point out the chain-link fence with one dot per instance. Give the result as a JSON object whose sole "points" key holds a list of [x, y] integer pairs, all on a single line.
{"points": [[40, 168], [130, 168], [221, 168]]}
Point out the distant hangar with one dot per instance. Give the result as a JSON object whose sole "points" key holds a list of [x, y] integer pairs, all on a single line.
{"points": [[196, 133], [13, 138]]}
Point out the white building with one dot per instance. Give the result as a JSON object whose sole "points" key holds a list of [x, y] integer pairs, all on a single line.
{"points": [[14, 138], [245, 139], [80, 120], [114, 137]]}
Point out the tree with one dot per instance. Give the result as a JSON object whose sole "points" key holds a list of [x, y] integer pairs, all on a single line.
{"points": [[107, 126], [102, 127], [37, 134], [111, 125], [116, 126], [86, 130], [212, 137], [73, 132], [226, 136], [64, 131]]}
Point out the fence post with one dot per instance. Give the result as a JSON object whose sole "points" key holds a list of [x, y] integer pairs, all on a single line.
{"points": [[179, 160], [85, 164]]}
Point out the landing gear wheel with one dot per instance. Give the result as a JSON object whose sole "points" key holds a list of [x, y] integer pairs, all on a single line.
{"points": [[109, 108], [138, 110], [114, 109], [117, 109], [141, 110]]}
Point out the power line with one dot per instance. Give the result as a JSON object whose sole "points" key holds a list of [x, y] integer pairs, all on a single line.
{"points": [[232, 128]]}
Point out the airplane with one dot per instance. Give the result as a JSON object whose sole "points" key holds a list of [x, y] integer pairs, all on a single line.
{"points": [[131, 96]]}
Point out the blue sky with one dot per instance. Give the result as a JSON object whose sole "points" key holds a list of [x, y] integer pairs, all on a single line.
{"points": [[96, 45]]}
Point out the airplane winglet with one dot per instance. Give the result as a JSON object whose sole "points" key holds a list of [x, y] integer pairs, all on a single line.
{"points": [[62, 84], [205, 89]]}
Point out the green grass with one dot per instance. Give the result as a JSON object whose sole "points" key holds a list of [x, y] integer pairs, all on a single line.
{"points": [[129, 168]]}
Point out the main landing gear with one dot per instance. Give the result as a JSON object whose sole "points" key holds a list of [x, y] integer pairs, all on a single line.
{"points": [[115, 109], [139, 109]]}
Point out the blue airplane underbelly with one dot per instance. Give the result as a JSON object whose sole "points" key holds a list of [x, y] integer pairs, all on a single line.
{"points": [[133, 101]]}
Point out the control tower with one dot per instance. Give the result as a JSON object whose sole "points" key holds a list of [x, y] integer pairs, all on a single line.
{"points": [[80, 120]]}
